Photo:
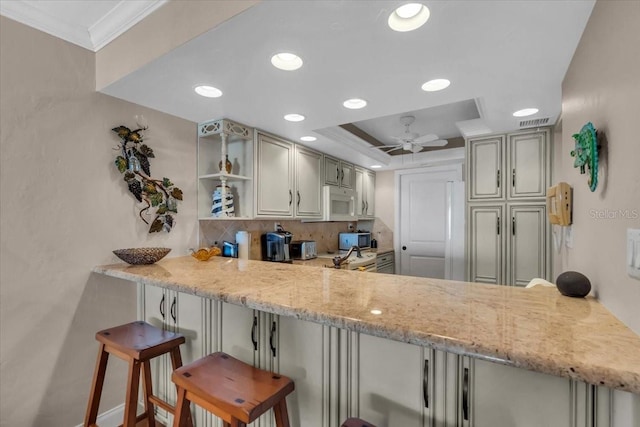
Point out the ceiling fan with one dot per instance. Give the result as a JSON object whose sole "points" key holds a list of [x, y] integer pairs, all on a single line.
{"points": [[411, 141]]}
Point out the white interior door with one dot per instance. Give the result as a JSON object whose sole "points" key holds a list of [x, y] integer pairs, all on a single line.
{"points": [[426, 200]]}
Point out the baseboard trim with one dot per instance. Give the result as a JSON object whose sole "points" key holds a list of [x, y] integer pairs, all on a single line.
{"points": [[113, 417]]}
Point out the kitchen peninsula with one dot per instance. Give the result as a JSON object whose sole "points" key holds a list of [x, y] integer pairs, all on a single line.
{"points": [[537, 329]]}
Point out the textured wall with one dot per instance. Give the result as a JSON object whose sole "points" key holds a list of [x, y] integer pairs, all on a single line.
{"points": [[63, 208], [602, 85]]}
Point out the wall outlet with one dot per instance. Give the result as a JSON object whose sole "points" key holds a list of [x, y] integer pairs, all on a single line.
{"points": [[350, 227], [276, 226], [633, 253], [568, 236]]}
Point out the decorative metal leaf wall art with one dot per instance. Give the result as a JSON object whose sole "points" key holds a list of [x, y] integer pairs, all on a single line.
{"points": [[159, 195]]}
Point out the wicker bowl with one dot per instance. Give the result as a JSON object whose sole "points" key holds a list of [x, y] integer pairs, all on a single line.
{"points": [[140, 256]]}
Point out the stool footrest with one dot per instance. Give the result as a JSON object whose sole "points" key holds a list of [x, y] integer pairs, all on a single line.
{"points": [[161, 403]]}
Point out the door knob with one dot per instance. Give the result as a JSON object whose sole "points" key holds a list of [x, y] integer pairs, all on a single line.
{"points": [[404, 248]]}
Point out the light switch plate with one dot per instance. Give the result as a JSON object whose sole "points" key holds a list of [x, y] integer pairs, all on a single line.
{"points": [[633, 253]]}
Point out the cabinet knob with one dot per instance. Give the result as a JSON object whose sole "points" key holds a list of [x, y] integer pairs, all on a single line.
{"points": [[404, 248]]}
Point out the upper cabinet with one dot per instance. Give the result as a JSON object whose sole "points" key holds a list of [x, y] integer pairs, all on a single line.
{"points": [[289, 179], [513, 166], [309, 169], [225, 170], [485, 165], [338, 172], [529, 164], [365, 186], [274, 176]]}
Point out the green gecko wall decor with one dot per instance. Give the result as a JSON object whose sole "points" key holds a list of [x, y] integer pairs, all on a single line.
{"points": [[586, 154]]}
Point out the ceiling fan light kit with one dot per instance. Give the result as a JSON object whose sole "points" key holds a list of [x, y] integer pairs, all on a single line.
{"points": [[411, 141]]}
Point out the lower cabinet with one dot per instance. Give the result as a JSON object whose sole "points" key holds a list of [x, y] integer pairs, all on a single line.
{"points": [[340, 374], [498, 395], [176, 312]]}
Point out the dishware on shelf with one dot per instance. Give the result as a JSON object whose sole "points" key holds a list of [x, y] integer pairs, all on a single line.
{"points": [[141, 256]]}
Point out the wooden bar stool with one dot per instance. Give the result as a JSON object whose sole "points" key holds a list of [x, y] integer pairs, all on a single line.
{"points": [[137, 343], [231, 390], [356, 422]]}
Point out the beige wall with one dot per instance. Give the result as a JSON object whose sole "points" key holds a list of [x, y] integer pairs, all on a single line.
{"points": [[385, 198], [602, 85], [63, 208], [173, 24]]}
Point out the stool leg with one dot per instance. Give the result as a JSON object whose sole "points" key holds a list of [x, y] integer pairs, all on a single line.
{"points": [[148, 391], [176, 362], [96, 387], [281, 414], [182, 415], [131, 402]]}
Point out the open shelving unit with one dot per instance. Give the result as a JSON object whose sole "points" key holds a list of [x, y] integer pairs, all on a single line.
{"points": [[217, 140]]}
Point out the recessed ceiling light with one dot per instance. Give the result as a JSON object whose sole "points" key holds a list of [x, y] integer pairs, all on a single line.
{"points": [[376, 311], [376, 166], [208, 91], [293, 117], [436, 85], [408, 17], [355, 103], [525, 112], [286, 61], [308, 138]]}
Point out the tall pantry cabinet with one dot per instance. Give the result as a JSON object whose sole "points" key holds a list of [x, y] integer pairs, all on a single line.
{"points": [[507, 229]]}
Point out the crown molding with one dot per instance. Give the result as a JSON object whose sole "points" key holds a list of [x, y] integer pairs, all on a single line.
{"points": [[118, 20]]}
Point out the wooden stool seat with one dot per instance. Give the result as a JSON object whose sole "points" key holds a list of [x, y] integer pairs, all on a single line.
{"points": [[139, 340], [137, 343], [356, 422], [232, 390]]}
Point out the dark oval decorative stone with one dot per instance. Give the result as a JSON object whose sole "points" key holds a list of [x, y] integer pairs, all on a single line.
{"points": [[573, 284]]}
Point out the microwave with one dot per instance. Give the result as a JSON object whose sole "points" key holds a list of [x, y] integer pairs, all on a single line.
{"points": [[347, 240], [339, 204]]}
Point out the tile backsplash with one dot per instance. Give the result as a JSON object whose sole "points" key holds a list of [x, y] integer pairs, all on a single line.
{"points": [[324, 233]]}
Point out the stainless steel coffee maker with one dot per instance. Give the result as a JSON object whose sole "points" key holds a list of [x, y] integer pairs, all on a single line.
{"points": [[275, 246]]}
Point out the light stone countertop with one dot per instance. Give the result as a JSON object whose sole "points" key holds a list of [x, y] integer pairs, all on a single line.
{"points": [[536, 329]]}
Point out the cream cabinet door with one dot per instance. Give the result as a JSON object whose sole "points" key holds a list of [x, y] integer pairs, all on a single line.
{"points": [[497, 395], [485, 243], [302, 354], [485, 177], [309, 181], [360, 192], [240, 333], [370, 194], [529, 167], [394, 382], [156, 302], [528, 244], [331, 171], [274, 177], [347, 175]]}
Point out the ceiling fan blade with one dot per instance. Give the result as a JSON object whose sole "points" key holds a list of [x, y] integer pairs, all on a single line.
{"points": [[425, 138], [386, 147], [394, 149], [436, 143]]}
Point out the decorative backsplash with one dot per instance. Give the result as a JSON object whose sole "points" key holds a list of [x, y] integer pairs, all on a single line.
{"points": [[324, 233]]}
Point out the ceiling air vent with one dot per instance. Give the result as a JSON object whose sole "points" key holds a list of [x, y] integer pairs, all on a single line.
{"points": [[534, 122]]}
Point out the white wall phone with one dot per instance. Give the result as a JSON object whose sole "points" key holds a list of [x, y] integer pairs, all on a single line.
{"points": [[559, 204]]}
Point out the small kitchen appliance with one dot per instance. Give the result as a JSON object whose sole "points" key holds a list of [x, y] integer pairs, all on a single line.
{"points": [[276, 246], [303, 249], [359, 239]]}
